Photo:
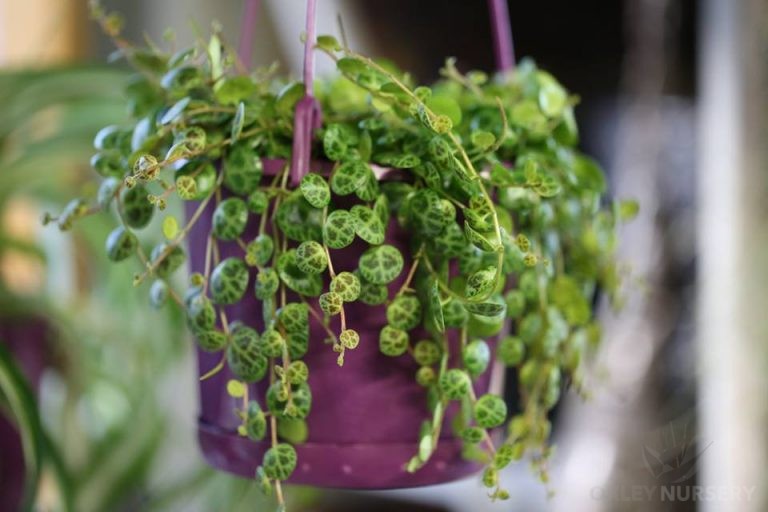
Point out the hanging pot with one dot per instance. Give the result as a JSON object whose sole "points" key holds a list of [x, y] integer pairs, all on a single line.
{"points": [[366, 415]]}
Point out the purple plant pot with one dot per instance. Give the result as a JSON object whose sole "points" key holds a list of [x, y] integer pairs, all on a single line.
{"points": [[26, 339], [365, 417]]}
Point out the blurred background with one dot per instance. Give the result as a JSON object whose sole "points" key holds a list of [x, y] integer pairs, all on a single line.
{"points": [[673, 105]]}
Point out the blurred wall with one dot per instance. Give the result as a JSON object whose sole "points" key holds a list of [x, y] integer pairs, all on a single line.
{"points": [[40, 32]]}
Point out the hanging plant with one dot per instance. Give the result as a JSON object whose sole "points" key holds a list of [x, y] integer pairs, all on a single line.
{"points": [[444, 216]]}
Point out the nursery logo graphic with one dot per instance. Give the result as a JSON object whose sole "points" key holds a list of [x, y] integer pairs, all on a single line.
{"points": [[671, 456]]}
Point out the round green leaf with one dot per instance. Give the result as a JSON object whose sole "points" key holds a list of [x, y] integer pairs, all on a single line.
{"points": [[315, 190], [350, 176], [244, 356], [298, 220], [425, 210], [481, 283], [486, 326], [507, 453], [440, 150], [170, 227], [369, 226], [302, 283], [515, 303], [393, 342], [279, 461], [370, 191], [108, 164], [445, 105], [404, 312], [511, 351], [295, 405], [195, 180], [334, 143], [454, 314], [229, 281], [427, 353], [451, 242], [172, 259], [295, 431], [529, 285], [552, 97], [527, 115], [235, 388], [230, 218], [257, 202], [349, 338], [211, 341], [294, 317], [242, 169], [271, 343], [137, 210], [298, 343], [339, 229], [381, 265], [288, 96], [531, 327], [472, 435], [121, 244], [201, 314], [454, 384], [255, 422], [490, 411], [426, 376], [297, 372], [373, 294], [311, 257], [107, 138], [158, 293], [331, 303], [476, 356], [267, 283], [259, 250], [107, 191], [346, 285]]}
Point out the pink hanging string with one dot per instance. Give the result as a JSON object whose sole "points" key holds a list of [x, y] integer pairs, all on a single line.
{"points": [[502, 35]]}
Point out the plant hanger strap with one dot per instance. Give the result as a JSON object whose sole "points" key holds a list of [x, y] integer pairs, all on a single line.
{"points": [[307, 117], [247, 31], [501, 27]]}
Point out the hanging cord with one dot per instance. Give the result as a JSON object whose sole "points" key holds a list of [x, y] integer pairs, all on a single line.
{"points": [[247, 31], [307, 117], [503, 47]]}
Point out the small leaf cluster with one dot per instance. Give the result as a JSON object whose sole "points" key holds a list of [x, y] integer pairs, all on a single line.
{"points": [[507, 222]]}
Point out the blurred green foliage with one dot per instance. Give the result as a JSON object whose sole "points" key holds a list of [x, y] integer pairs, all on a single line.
{"points": [[103, 425]]}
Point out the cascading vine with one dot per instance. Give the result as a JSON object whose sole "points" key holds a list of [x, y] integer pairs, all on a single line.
{"points": [[507, 219]]}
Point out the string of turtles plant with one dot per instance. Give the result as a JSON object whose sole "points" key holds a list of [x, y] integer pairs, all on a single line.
{"points": [[507, 220]]}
